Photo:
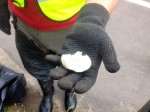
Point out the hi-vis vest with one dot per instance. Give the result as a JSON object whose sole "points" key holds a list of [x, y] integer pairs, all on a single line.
{"points": [[57, 10]]}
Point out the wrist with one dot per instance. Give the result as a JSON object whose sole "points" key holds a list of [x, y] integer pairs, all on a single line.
{"points": [[94, 13], [108, 4]]}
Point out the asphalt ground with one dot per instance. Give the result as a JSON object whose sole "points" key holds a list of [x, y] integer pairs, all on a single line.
{"points": [[129, 89]]}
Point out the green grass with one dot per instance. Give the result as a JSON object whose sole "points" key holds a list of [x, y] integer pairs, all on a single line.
{"points": [[22, 108], [15, 108]]}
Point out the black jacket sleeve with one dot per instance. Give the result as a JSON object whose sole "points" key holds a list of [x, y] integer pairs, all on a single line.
{"points": [[4, 17], [3, 2]]}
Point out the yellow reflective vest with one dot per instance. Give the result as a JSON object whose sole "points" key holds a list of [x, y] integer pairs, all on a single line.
{"points": [[57, 10]]}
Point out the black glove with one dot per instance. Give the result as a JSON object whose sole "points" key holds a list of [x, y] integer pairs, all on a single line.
{"points": [[4, 18], [88, 36]]}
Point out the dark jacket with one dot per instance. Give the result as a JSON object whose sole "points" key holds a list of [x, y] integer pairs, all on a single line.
{"points": [[12, 87]]}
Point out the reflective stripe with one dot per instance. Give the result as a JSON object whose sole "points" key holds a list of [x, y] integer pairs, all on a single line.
{"points": [[19, 3], [57, 10]]}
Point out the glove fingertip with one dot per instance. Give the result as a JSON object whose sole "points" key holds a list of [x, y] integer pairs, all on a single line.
{"points": [[57, 73], [65, 85], [113, 68], [8, 33], [82, 87], [79, 90], [52, 57]]}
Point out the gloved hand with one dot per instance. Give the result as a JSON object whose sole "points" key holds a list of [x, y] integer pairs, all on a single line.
{"points": [[88, 36], [4, 18]]}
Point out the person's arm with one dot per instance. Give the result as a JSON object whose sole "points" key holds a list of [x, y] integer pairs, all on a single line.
{"points": [[108, 4]]}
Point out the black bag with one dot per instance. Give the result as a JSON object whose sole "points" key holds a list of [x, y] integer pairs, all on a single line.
{"points": [[12, 87]]}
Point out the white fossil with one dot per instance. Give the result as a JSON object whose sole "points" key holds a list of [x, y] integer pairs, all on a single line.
{"points": [[76, 62]]}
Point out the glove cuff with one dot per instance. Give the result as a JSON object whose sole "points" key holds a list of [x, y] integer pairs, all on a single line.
{"points": [[94, 13]]}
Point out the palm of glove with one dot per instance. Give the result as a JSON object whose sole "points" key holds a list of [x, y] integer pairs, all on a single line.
{"points": [[93, 41]]}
